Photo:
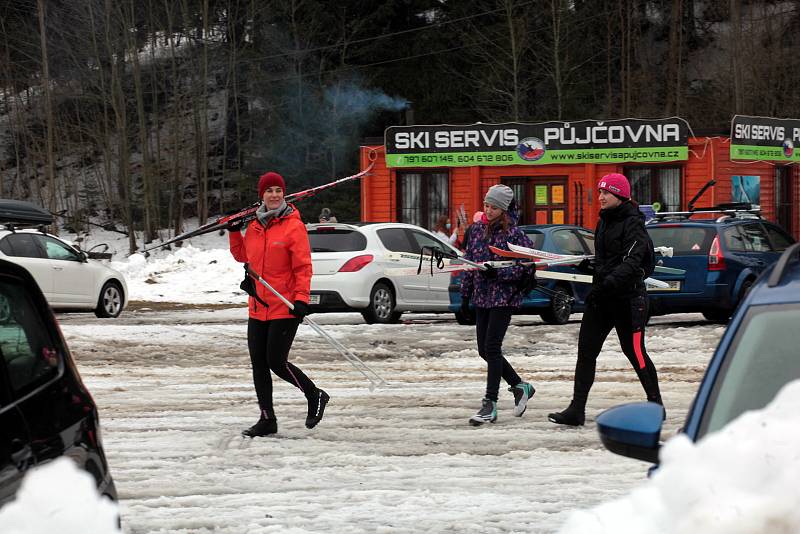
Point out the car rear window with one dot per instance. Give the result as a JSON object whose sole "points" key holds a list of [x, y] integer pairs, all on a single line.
{"points": [[684, 240], [537, 238], [336, 240]]}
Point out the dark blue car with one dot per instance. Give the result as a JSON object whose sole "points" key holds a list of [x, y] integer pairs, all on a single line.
{"points": [[756, 356], [722, 258], [560, 298]]}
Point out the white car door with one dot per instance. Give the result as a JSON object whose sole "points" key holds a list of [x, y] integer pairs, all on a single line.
{"points": [[412, 288], [73, 279], [438, 293], [23, 249]]}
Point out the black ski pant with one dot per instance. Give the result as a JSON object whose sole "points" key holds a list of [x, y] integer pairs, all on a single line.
{"points": [[628, 316], [490, 326], [269, 343]]}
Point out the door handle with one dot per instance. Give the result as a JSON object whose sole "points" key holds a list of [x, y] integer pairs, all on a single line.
{"points": [[21, 454], [58, 268]]}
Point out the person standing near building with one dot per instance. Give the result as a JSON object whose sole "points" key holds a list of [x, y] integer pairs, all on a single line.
{"points": [[327, 216], [442, 230], [617, 299], [275, 245], [495, 293]]}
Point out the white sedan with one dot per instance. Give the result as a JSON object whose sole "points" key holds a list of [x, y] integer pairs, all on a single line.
{"points": [[350, 270], [68, 278]]}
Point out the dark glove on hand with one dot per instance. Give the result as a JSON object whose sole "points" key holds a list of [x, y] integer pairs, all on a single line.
{"points": [[529, 282], [596, 294], [300, 309], [235, 226], [586, 266], [490, 273], [465, 306]]}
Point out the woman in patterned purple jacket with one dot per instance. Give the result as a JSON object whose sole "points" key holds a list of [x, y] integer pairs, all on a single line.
{"points": [[495, 293]]}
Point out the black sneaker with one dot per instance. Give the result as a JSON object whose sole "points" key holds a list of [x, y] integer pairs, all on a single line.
{"points": [[316, 408], [264, 427], [487, 413], [522, 394], [574, 415]]}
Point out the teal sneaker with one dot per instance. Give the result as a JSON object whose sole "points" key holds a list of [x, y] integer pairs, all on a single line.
{"points": [[522, 394], [487, 413]]}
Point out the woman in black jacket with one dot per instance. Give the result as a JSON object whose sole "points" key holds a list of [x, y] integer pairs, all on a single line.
{"points": [[617, 299]]}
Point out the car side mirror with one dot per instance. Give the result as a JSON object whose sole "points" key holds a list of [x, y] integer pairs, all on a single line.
{"points": [[632, 430], [82, 255]]}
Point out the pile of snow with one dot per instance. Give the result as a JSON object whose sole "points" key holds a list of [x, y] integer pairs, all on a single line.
{"points": [[742, 479], [188, 275], [202, 271], [59, 497]]}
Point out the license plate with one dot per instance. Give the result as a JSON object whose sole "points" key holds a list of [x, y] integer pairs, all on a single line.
{"points": [[313, 299], [674, 285]]}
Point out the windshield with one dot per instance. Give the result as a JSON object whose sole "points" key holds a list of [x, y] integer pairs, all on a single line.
{"points": [[684, 240], [336, 240], [762, 358]]}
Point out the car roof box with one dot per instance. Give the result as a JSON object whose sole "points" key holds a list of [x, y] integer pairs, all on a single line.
{"points": [[20, 213]]}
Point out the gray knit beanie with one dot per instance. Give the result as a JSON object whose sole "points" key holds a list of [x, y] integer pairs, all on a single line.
{"points": [[499, 196]]}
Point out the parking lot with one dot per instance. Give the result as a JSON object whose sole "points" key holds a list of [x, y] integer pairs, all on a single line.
{"points": [[174, 392]]}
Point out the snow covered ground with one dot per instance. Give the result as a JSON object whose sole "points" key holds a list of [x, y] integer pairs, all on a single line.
{"points": [[174, 392], [172, 380]]}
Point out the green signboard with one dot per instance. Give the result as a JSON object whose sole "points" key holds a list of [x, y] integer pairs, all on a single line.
{"points": [[629, 140], [765, 139]]}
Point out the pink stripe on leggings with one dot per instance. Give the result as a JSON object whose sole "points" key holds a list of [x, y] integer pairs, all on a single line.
{"points": [[637, 347], [296, 381]]}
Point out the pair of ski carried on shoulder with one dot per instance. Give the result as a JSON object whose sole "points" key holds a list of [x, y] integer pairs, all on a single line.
{"points": [[519, 255]]}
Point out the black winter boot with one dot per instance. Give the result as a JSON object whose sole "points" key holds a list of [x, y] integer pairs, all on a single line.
{"points": [[316, 408], [264, 427], [574, 415]]}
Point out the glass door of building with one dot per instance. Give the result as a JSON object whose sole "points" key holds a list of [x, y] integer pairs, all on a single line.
{"points": [[542, 200]]}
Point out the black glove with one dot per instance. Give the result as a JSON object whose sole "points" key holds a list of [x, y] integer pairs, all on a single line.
{"points": [[586, 266], [300, 309], [596, 294], [235, 225], [528, 282], [490, 273], [465, 306]]}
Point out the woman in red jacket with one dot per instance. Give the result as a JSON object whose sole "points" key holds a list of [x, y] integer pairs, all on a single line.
{"points": [[275, 245]]}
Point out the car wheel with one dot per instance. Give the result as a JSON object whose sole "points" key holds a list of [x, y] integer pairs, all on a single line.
{"points": [[465, 319], [717, 316], [381, 305], [560, 307], [110, 302]]}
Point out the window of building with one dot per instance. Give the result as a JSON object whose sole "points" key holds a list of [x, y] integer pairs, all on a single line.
{"points": [[656, 184], [518, 185], [784, 192], [422, 197]]}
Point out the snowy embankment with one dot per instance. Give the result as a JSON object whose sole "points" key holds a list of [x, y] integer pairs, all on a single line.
{"points": [[742, 479], [174, 390]]}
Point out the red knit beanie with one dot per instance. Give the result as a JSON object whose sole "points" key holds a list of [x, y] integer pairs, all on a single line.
{"points": [[616, 184], [270, 179]]}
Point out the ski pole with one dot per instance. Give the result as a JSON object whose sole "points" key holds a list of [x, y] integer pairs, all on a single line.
{"points": [[354, 360]]}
